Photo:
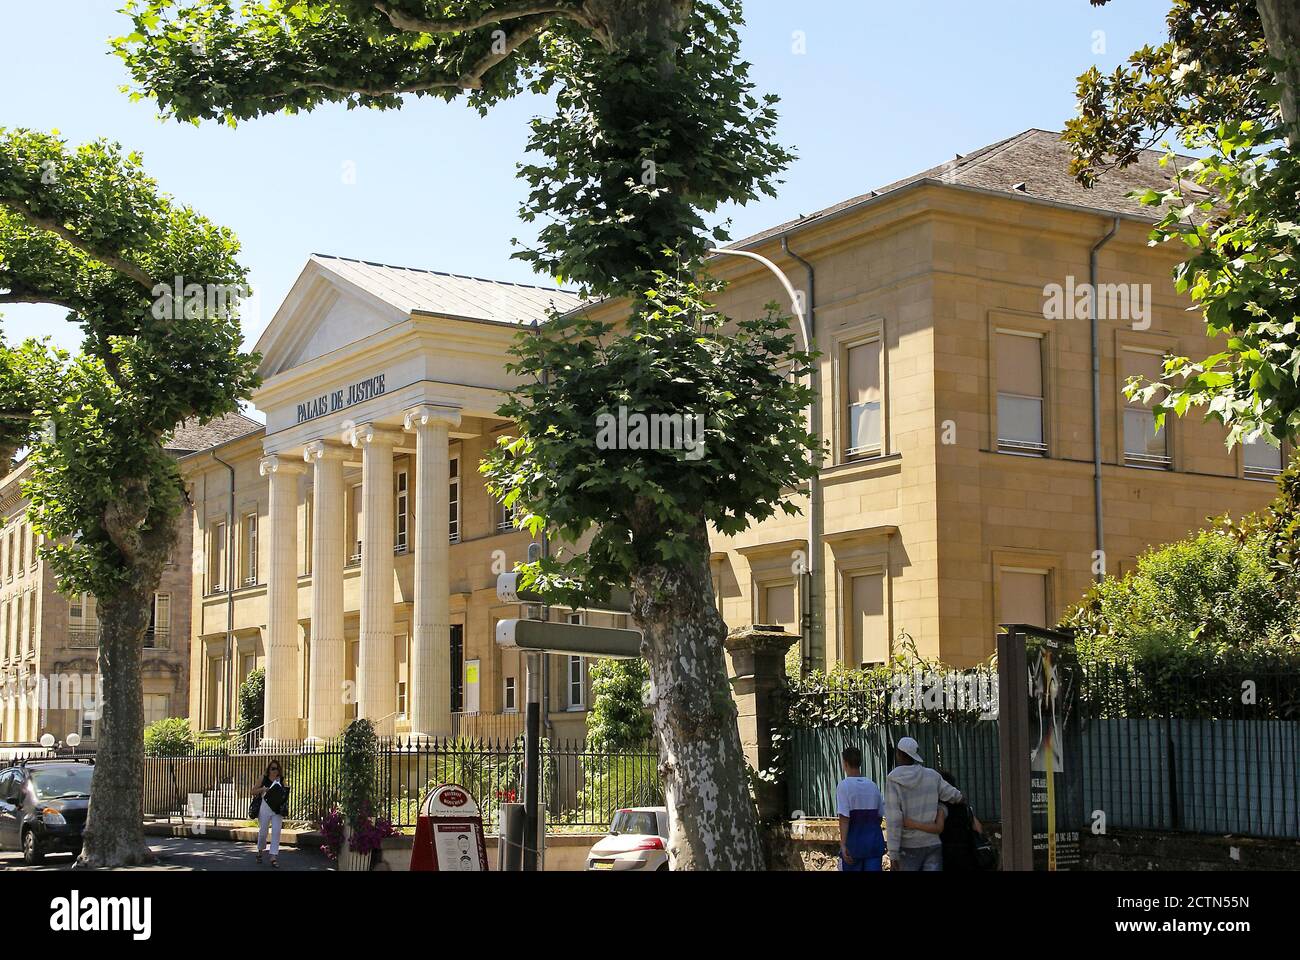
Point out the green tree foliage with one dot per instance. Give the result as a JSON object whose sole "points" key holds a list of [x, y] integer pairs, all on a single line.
{"points": [[634, 508], [169, 738], [1227, 84], [657, 126], [618, 718], [624, 170], [252, 701], [86, 229], [1224, 597]]}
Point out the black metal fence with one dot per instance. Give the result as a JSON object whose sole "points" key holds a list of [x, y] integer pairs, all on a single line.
{"points": [[581, 788]]}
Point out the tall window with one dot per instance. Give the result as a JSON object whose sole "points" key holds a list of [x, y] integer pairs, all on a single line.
{"points": [[1262, 460], [1023, 597], [401, 502], [506, 517], [862, 414], [576, 688], [457, 677], [1144, 446], [160, 621], [22, 548], [248, 549], [155, 707], [307, 533], [510, 697], [778, 607], [217, 558], [31, 620], [868, 634], [453, 530], [1020, 394], [356, 523]]}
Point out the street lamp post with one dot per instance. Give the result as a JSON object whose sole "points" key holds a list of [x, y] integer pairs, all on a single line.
{"points": [[814, 481]]}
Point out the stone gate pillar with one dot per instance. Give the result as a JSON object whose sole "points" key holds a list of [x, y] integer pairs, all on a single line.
{"points": [[758, 685]]}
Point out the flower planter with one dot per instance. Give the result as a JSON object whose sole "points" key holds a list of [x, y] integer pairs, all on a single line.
{"points": [[350, 860]]}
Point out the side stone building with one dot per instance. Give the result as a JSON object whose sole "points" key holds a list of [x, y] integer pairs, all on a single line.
{"points": [[49, 673], [968, 482]]}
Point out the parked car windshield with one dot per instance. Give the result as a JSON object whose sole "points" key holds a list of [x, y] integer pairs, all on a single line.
{"points": [[53, 782], [641, 822]]}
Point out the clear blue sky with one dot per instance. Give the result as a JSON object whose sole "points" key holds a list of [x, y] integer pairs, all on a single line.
{"points": [[884, 89]]}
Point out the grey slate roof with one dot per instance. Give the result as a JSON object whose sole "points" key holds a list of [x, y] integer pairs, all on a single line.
{"points": [[1035, 158], [191, 437], [448, 294]]}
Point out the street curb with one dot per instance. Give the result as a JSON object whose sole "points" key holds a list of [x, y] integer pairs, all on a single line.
{"points": [[302, 839]]}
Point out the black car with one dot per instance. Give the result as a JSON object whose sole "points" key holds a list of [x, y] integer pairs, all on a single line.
{"points": [[43, 806]]}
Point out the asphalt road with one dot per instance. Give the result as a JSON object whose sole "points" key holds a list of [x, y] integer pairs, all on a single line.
{"points": [[186, 853]]}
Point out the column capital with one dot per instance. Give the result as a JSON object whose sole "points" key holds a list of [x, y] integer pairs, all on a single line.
{"points": [[368, 434], [427, 415], [323, 450], [278, 463]]}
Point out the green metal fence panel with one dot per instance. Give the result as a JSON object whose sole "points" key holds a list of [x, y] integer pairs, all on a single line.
{"points": [[1126, 774], [968, 750]]}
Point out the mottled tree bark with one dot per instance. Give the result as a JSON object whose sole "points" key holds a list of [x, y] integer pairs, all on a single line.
{"points": [[714, 824], [115, 825], [1281, 19]]}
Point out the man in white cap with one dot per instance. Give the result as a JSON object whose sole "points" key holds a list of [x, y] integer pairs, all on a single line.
{"points": [[914, 792]]}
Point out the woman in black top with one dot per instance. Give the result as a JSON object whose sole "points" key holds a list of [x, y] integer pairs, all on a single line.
{"points": [[274, 794], [957, 827]]}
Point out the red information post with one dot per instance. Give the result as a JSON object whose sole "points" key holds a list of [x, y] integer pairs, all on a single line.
{"points": [[449, 832]]}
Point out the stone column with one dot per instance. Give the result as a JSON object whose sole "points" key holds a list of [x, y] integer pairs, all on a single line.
{"points": [[430, 673], [377, 670], [758, 685], [328, 646], [281, 637]]}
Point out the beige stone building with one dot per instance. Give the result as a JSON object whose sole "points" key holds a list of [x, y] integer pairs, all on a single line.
{"points": [[967, 482], [49, 674], [380, 391]]}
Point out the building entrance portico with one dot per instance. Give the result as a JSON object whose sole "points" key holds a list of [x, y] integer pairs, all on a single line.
{"points": [[364, 401]]}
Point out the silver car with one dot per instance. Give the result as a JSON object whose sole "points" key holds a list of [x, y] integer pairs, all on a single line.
{"points": [[637, 840]]}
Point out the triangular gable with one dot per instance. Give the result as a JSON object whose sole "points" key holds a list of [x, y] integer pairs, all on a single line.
{"points": [[323, 312]]}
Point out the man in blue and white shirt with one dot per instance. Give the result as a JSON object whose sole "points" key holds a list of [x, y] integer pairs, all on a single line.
{"points": [[858, 804]]}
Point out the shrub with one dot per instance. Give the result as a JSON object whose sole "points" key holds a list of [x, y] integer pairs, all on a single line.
{"points": [[1211, 599], [618, 717], [252, 701], [359, 767], [169, 738]]}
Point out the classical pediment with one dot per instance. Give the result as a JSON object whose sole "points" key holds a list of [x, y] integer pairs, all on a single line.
{"points": [[323, 313]]}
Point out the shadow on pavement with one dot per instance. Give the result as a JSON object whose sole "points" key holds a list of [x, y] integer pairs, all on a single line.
{"points": [[185, 853]]}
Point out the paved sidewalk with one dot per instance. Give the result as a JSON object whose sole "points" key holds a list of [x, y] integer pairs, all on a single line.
{"points": [[186, 853]]}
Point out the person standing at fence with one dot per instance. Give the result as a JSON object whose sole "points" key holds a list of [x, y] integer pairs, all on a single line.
{"points": [[913, 790], [858, 804], [274, 796], [958, 829]]}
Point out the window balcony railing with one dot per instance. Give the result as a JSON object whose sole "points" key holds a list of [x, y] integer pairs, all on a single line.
{"points": [[1024, 448], [1263, 473], [83, 636], [1148, 461], [87, 637]]}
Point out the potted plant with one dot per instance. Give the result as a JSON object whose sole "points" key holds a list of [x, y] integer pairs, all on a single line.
{"points": [[352, 832]]}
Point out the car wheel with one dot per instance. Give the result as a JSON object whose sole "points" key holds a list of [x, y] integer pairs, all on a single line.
{"points": [[662, 868], [32, 852]]}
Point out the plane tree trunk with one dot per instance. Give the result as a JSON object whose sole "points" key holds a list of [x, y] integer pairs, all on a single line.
{"points": [[713, 820], [115, 826], [1281, 19]]}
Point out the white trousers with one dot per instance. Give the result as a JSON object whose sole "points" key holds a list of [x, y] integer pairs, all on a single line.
{"points": [[265, 819]]}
